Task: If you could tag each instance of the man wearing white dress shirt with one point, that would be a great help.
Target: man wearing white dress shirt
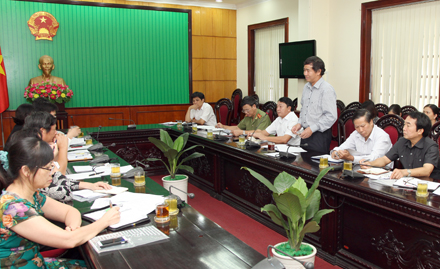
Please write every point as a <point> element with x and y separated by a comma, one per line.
<point>200,112</point>
<point>282,125</point>
<point>369,140</point>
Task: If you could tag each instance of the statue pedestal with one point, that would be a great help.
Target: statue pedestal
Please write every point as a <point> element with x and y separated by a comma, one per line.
<point>62,117</point>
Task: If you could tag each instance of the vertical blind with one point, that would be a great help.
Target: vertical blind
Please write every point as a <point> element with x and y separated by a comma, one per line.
<point>268,84</point>
<point>405,55</point>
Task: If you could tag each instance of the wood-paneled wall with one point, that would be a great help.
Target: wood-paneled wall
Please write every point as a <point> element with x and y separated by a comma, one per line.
<point>94,116</point>
<point>214,48</point>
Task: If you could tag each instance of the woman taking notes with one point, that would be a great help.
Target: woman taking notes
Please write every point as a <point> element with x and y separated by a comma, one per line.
<point>26,167</point>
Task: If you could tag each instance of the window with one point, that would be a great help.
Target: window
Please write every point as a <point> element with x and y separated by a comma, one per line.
<point>268,84</point>
<point>405,54</point>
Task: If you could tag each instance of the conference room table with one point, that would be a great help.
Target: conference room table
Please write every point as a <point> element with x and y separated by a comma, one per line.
<point>373,225</point>
<point>194,240</point>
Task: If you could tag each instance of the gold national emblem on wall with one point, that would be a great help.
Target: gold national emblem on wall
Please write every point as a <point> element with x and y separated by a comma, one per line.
<point>43,25</point>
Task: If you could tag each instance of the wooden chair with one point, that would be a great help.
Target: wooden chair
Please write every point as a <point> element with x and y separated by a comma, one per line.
<point>393,125</point>
<point>295,104</point>
<point>255,96</point>
<point>236,98</point>
<point>340,105</point>
<point>382,109</point>
<point>435,132</point>
<point>223,111</point>
<point>406,110</point>
<point>353,105</point>
<point>335,132</point>
<point>270,107</point>
<point>345,124</point>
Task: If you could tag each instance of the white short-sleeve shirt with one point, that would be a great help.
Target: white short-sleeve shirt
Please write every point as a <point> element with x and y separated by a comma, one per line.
<point>282,126</point>
<point>206,113</point>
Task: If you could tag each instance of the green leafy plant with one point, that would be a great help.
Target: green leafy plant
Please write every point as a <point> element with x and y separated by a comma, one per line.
<point>296,207</point>
<point>173,151</point>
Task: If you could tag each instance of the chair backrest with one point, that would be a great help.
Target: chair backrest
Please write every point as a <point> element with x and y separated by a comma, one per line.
<point>295,104</point>
<point>345,124</point>
<point>270,107</point>
<point>223,111</point>
<point>382,110</point>
<point>255,96</point>
<point>353,105</point>
<point>393,125</point>
<point>340,105</point>
<point>236,98</point>
<point>406,110</point>
<point>335,131</point>
<point>435,132</point>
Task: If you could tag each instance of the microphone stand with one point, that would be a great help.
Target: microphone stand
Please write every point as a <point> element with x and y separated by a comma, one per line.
<point>130,126</point>
<point>97,136</point>
<point>250,144</point>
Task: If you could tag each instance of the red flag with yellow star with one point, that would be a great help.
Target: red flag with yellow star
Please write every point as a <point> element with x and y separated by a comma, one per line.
<point>4,98</point>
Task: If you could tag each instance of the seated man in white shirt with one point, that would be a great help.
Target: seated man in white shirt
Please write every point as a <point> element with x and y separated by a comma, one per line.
<point>200,112</point>
<point>370,141</point>
<point>281,126</point>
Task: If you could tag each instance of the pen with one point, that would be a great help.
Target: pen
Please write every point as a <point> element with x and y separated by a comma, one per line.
<point>95,174</point>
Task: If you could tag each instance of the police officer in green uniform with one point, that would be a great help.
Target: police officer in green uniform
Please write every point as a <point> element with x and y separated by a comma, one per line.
<point>253,118</point>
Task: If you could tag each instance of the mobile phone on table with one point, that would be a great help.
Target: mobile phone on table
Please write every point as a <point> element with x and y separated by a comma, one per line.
<point>113,242</point>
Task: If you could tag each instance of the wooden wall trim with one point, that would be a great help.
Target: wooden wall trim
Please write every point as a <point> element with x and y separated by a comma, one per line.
<point>366,20</point>
<point>85,117</point>
<point>251,50</point>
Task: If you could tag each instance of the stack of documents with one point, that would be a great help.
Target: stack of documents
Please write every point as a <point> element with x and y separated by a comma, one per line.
<point>79,155</point>
<point>135,207</point>
<point>329,157</point>
<point>87,171</point>
<point>410,182</point>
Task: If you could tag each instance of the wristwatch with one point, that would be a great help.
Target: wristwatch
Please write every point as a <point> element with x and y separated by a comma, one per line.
<point>244,132</point>
<point>409,172</point>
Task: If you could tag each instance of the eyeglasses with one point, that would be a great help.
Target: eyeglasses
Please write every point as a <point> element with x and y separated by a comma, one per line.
<point>245,111</point>
<point>52,167</point>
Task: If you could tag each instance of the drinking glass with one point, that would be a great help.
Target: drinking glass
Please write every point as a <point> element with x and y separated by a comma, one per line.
<point>139,178</point>
<point>422,189</point>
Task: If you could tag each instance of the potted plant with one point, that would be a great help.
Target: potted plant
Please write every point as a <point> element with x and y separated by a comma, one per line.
<point>173,151</point>
<point>296,209</point>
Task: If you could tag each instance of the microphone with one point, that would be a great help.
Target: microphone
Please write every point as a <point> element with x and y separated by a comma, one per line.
<point>97,136</point>
<point>141,163</point>
<point>73,123</point>
<point>221,138</point>
<point>287,154</point>
<point>270,262</point>
<point>251,144</point>
<point>190,195</point>
<point>259,125</point>
<point>130,126</point>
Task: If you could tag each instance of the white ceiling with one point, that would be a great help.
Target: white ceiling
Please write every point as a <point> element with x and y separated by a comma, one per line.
<point>228,4</point>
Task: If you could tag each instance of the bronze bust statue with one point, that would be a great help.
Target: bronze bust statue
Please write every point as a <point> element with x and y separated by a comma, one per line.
<point>46,65</point>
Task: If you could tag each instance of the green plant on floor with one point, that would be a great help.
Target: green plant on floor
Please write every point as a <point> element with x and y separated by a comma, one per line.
<point>173,151</point>
<point>296,202</point>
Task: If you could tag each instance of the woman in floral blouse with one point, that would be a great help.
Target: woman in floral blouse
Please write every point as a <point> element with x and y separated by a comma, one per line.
<point>25,168</point>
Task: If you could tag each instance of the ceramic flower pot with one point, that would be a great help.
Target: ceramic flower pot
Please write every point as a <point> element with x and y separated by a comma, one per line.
<point>292,264</point>
<point>181,183</point>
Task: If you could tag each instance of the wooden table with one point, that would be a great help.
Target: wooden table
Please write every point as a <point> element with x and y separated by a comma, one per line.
<point>196,242</point>
<point>373,226</point>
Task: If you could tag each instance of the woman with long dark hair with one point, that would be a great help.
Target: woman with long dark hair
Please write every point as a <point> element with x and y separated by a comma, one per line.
<point>25,168</point>
<point>432,112</point>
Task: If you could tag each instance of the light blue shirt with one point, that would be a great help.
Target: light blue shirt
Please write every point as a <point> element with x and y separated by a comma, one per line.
<point>318,106</point>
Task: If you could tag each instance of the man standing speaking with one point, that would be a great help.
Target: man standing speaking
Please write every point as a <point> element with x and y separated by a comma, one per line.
<point>318,108</point>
